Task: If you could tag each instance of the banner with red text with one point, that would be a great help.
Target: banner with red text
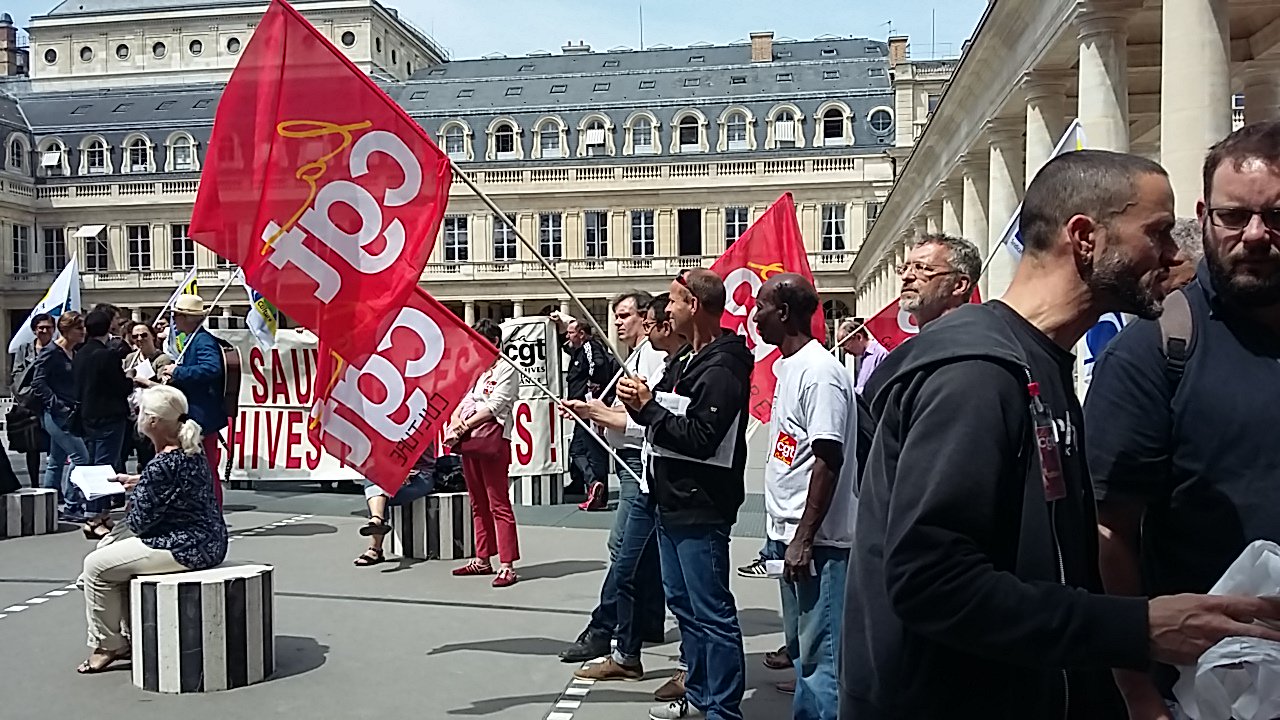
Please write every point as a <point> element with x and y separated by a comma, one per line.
<point>538,440</point>
<point>322,189</point>
<point>772,245</point>
<point>380,414</point>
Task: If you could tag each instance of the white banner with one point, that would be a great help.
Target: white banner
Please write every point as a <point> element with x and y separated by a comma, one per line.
<point>538,444</point>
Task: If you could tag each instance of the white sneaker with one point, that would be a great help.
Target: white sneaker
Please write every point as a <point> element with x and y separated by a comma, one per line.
<point>675,710</point>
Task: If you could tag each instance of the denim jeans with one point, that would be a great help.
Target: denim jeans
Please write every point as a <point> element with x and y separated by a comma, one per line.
<point>105,443</point>
<point>812,611</point>
<point>636,577</point>
<point>695,574</point>
<point>63,446</point>
<point>629,490</point>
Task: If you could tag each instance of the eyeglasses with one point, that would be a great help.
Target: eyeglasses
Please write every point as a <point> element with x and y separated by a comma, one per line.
<point>923,271</point>
<point>1238,218</point>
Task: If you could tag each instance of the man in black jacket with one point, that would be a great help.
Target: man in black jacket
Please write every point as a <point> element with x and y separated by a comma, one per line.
<point>974,588</point>
<point>103,390</point>
<point>591,369</point>
<point>696,421</point>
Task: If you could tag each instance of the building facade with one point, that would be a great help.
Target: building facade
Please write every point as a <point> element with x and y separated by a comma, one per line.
<point>623,166</point>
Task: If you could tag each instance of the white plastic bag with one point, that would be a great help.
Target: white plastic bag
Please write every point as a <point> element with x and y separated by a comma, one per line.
<point>1239,677</point>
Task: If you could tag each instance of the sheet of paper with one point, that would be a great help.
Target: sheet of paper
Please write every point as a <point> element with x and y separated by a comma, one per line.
<point>96,481</point>
<point>143,370</point>
<point>679,405</point>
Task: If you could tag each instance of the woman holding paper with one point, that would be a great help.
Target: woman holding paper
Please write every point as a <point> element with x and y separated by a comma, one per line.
<point>173,520</point>
<point>142,365</point>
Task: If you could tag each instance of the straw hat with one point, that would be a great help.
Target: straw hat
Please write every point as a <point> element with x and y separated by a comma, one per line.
<point>188,305</point>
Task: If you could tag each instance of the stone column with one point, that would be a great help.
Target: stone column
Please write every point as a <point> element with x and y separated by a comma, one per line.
<point>1046,99</point>
<point>517,308</point>
<point>933,215</point>
<point>1104,75</point>
<point>1261,91</point>
<point>952,200</point>
<point>1003,195</point>
<point>1195,96</point>
<point>469,312</point>
<point>973,167</point>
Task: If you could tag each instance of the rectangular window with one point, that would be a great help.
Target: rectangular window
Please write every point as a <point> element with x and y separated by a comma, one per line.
<point>828,52</point>
<point>55,249</point>
<point>96,158</point>
<point>457,244</point>
<point>97,258</point>
<point>738,80</point>
<point>688,134</point>
<point>689,227</point>
<point>465,93</point>
<point>830,74</point>
<point>642,136</point>
<point>697,58</point>
<point>182,248</point>
<point>642,237</point>
<point>692,82</point>
<point>647,84</point>
<point>735,223</point>
<point>21,249</point>
<point>875,72</point>
<point>223,263</point>
<point>182,159</point>
<point>873,212</point>
<point>551,236</point>
<point>138,160</point>
<point>784,77</point>
<point>610,63</point>
<point>833,228</point>
<point>526,68</point>
<point>504,240</point>
<point>933,99</point>
<point>596,233</point>
<point>139,246</point>
<point>513,91</point>
<point>558,89</point>
<point>600,87</point>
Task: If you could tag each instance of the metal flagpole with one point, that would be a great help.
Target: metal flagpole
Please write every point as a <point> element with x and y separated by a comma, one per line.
<point>207,311</point>
<point>572,416</point>
<point>545,264</point>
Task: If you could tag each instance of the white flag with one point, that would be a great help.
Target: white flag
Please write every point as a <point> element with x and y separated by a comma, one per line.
<point>262,319</point>
<point>63,295</point>
<point>1072,140</point>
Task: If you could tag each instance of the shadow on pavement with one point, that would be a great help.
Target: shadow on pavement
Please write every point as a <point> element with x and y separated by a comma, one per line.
<point>538,646</point>
<point>493,706</point>
<point>559,569</point>
<point>297,655</point>
<point>298,530</point>
<point>227,509</point>
<point>759,621</point>
<point>402,564</point>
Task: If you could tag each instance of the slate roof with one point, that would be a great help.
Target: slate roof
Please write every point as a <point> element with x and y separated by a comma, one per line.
<point>95,7</point>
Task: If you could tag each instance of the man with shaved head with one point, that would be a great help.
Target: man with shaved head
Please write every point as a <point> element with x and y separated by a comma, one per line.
<point>809,482</point>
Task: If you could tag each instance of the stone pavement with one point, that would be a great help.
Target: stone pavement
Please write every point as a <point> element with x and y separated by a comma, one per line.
<point>397,640</point>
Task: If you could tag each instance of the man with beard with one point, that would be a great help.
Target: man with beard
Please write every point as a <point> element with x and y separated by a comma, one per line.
<point>1184,464</point>
<point>938,276</point>
<point>974,588</point>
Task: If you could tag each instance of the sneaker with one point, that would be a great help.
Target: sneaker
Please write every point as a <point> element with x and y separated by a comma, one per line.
<point>754,570</point>
<point>589,646</point>
<point>597,498</point>
<point>475,567</point>
<point>786,687</point>
<point>672,689</point>
<point>675,710</point>
<point>506,578</point>
<point>778,659</point>
<point>610,669</point>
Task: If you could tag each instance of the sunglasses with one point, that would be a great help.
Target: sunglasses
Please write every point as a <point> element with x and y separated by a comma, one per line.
<point>140,336</point>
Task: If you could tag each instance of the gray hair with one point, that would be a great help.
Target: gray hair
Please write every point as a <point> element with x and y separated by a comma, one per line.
<point>1190,238</point>
<point>961,254</point>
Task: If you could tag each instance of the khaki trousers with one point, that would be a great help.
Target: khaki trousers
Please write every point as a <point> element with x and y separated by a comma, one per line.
<point>107,572</point>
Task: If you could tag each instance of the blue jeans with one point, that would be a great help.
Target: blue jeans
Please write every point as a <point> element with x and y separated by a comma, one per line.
<point>629,490</point>
<point>63,446</point>
<point>695,574</point>
<point>812,611</point>
<point>105,443</point>
<point>637,582</point>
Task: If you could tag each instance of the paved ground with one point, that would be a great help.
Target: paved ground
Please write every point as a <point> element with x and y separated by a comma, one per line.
<point>399,640</point>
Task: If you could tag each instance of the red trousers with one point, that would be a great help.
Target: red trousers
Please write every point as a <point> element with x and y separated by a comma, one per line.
<point>491,505</point>
<point>211,457</point>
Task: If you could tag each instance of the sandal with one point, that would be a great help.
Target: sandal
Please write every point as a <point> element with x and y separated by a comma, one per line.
<point>105,658</point>
<point>475,567</point>
<point>375,527</point>
<point>95,531</point>
<point>372,556</point>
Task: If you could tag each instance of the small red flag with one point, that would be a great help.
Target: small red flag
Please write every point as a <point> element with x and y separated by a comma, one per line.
<point>380,415</point>
<point>322,189</point>
<point>893,326</point>
<point>772,245</point>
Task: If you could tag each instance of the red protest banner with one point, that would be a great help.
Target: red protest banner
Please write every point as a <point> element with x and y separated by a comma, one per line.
<point>378,416</point>
<point>893,326</point>
<point>319,186</point>
<point>772,245</point>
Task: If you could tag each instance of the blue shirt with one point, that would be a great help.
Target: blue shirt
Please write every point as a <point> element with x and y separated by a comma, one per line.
<point>868,361</point>
<point>200,376</point>
<point>173,508</point>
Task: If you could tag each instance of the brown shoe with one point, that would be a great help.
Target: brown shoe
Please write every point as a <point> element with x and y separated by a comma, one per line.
<point>610,670</point>
<point>778,659</point>
<point>672,689</point>
<point>786,687</point>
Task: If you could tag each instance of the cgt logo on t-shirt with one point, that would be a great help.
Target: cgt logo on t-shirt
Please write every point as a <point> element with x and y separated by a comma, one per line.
<point>784,448</point>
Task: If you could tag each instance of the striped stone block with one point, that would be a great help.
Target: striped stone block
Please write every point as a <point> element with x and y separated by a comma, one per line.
<point>538,489</point>
<point>433,527</point>
<point>29,511</point>
<point>203,630</point>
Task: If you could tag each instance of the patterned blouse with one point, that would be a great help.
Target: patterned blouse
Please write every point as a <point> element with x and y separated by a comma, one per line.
<point>173,508</point>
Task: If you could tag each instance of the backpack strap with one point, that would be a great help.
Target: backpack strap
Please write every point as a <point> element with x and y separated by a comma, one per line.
<point>1177,330</point>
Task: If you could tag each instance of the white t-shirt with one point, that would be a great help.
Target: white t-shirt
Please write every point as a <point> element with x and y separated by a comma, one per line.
<point>646,453</point>
<point>647,362</point>
<point>813,400</point>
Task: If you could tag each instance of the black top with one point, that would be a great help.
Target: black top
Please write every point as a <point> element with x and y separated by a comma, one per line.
<point>54,383</point>
<point>101,385</point>
<point>1205,458</point>
<point>598,371</point>
<point>717,381</point>
<point>173,508</point>
<point>968,591</point>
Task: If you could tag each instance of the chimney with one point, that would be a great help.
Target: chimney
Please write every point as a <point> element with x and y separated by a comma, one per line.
<point>898,50</point>
<point>12,60</point>
<point>582,48</point>
<point>762,46</point>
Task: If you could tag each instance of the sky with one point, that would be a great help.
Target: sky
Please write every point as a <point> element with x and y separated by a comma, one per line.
<point>471,28</point>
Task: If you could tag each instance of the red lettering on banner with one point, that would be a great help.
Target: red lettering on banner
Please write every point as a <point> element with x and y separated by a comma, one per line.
<point>302,387</point>
<point>259,390</point>
<point>273,438</point>
<point>313,455</point>
<point>524,447</point>
<point>555,428</point>
<point>293,438</point>
<point>279,384</point>
<point>257,440</point>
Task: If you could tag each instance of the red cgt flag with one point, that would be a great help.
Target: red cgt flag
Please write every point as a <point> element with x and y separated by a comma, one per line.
<point>772,245</point>
<point>893,326</point>
<point>319,186</point>
<point>380,415</point>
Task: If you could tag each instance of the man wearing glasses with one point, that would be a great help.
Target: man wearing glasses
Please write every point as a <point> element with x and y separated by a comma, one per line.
<point>1182,451</point>
<point>938,276</point>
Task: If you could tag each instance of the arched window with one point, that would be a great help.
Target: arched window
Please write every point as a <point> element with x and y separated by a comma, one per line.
<point>785,124</point>
<point>595,139</point>
<point>182,153</point>
<point>53,159</point>
<point>17,158</point>
<point>504,141</point>
<point>833,124</point>
<point>95,158</point>
<point>688,130</point>
<point>455,142</point>
<point>642,135</point>
<point>735,131</point>
<point>550,139</point>
<point>138,155</point>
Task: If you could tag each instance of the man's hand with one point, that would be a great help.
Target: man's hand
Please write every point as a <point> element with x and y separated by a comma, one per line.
<point>577,407</point>
<point>796,561</point>
<point>166,374</point>
<point>634,393</point>
<point>1182,627</point>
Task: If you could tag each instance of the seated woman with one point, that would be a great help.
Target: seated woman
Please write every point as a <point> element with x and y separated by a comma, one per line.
<point>173,520</point>
<point>420,483</point>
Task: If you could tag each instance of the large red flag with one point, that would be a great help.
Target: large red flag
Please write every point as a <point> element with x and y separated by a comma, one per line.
<point>319,186</point>
<point>893,326</point>
<point>378,416</point>
<point>772,245</point>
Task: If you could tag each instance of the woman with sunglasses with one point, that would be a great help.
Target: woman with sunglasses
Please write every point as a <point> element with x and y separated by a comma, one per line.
<point>146,350</point>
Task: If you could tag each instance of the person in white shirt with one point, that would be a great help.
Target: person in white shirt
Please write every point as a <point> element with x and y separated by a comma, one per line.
<point>810,479</point>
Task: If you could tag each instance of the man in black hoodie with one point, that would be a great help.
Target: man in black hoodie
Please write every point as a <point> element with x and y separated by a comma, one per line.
<point>696,422</point>
<point>974,588</point>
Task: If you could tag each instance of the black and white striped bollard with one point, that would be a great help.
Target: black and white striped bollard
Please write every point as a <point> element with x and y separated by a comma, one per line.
<point>532,490</point>
<point>28,511</point>
<point>433,527</point>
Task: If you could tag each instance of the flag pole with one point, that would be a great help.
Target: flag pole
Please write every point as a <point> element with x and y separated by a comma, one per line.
<point>207,311</point>
<point>542,260</point>
<point>566,411</point>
